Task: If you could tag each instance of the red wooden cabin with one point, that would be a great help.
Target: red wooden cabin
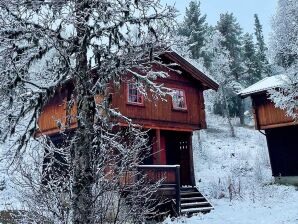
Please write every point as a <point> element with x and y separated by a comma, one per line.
<point>281,131</point>
<point>171,122</point>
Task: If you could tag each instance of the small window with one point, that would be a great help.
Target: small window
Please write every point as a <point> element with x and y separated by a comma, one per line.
<point>133,95</point>
<point>179,99</point>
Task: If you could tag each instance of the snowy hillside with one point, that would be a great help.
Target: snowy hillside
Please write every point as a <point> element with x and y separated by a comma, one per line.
<point>239,168</point>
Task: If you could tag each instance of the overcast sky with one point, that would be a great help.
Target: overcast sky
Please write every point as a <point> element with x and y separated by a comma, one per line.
<point>242,9</point>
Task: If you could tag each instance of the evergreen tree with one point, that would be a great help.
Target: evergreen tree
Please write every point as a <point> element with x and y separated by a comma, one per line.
<point>231,31</point>
<point>194,28</point>
<point>250,59</point>
<point>263,65</point>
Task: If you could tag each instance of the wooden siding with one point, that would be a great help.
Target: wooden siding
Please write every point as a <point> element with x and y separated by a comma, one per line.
<point>55,112</point>
<point>160,113</point>
<point>153,114</point>
<point>52,113</point>
<point>267,115</point>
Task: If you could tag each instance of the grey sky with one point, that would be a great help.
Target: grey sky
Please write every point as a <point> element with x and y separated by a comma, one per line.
<point>242,9</point>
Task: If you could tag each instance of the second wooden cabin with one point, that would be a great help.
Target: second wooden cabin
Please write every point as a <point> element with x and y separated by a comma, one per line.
<point>281,131</point>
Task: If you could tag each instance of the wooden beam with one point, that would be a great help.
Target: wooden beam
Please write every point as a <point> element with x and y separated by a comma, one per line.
<point>264,127</point>
<point>191,162</point>
<point>157,152</point>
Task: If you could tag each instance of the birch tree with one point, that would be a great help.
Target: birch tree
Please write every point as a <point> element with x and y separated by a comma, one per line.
<point>45,44</point>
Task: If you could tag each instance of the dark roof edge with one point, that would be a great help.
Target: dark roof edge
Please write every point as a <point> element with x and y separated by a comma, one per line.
<point>192,70</point>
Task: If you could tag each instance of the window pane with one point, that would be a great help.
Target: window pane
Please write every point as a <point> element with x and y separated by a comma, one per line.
<point>178,99</point>
<point>134,96</point>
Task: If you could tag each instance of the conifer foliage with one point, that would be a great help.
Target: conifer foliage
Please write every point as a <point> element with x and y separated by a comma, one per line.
<point>194,28</point>
<point>262,66</point>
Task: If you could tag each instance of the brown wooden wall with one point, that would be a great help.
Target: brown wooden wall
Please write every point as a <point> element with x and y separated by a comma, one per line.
<point>153,114</point>
<point>55,112</point>
<point>267,115</point>
<point>159,113</point>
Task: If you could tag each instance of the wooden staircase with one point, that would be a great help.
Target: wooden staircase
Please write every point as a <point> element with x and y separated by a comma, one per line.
<point>192,201</point>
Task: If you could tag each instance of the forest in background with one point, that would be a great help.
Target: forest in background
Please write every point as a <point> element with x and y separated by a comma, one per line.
<point>237,60</point>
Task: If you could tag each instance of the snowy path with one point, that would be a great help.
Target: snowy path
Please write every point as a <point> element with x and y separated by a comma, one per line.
<point>243,164</point>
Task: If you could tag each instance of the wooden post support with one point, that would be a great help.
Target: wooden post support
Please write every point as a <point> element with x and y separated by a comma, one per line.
<point>191,162</point>
<point>178,193</point>
<point>157,155</point>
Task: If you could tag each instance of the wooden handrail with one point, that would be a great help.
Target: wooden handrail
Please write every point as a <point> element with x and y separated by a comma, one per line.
<point>158,172</point>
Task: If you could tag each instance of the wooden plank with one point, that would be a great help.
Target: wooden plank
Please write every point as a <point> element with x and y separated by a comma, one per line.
<point>267,115</point>
<point>191,163</point>
<point>264,127</point>
<point>156,153</point>
<point>153,114</point>
<point>163,159</point>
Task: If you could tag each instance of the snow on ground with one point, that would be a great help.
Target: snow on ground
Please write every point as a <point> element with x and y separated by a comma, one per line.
<point>242,165</point>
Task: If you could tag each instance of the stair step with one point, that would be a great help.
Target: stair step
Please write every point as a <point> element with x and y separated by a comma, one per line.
<point>188,189</point>
<point>193,199</point>
<point>195,204</point>
<point>191,194</point>
<point>196,210</point>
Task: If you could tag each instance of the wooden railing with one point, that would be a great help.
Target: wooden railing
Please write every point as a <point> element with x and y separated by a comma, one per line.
<point>169,175</point>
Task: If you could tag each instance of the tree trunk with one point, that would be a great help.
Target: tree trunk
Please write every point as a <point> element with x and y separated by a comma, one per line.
<point>241,110</point>
<point>227,112</point>
<point>82,146</point>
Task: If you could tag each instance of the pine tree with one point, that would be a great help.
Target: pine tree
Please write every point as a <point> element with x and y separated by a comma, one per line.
<point>231,31</point>
<point>263,66</point>
<point>250,60</point>
<point>194,28</point>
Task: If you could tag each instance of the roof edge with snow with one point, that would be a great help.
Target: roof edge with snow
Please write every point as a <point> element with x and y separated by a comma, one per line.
<point>264,85</point>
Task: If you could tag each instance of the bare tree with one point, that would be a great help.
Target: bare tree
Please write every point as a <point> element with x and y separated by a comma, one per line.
<point>120,193</point>
<point>93,44</point>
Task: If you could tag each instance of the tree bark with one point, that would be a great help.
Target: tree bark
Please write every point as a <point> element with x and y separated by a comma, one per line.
<point>227,113</point>
<point>241,110</point>
<point>82,146</point>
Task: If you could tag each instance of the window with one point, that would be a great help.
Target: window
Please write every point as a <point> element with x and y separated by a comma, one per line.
<point>179,99</point>
<point>133,95</point>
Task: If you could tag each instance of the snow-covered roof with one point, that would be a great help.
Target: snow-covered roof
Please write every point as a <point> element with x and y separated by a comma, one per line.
<point>264,85</point>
